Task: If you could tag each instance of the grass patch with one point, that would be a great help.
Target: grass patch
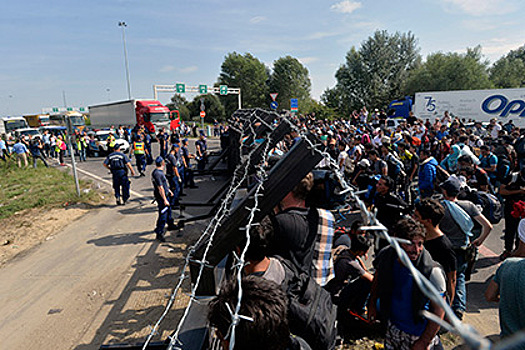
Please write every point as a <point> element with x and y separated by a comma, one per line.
<point>27,188</point>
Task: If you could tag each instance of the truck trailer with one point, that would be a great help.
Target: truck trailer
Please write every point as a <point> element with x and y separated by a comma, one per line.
<point>149,113</point>
<point>478,105</point>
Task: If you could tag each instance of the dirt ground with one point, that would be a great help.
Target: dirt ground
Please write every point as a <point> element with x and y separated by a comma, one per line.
<point>27,229</point>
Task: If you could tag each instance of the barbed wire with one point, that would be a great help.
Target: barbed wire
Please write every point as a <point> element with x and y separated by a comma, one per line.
<point>261,176</point>
<point>467,332</point>
<point>214,224</point>
<point>237,179</point>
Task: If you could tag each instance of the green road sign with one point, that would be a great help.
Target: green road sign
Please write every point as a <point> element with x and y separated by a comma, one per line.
<point>55,109</point>
<point>69,109</point>
<point>223,90</point>
<point>181,88</point>
<point>81,109</point>
<point>203,89</point>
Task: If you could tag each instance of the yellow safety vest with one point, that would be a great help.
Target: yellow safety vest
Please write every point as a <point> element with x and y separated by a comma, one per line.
<point>138,148</point>
<point>111,141</point>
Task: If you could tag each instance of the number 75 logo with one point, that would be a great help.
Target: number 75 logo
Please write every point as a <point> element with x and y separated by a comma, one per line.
<point>431,104</point>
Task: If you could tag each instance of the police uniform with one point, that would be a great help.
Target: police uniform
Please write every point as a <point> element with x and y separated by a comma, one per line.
<point>172,163</point>
<point>139,150</point>
<point>116,162</point>
<point>159,180</point>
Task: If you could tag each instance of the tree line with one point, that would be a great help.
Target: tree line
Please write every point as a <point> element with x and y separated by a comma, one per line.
<point>385,67</point>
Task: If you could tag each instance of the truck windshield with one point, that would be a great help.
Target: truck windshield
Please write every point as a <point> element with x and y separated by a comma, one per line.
<point>77,120</point>
<point>44,120</point>
<point>159,117</point>
<point>11,125</point>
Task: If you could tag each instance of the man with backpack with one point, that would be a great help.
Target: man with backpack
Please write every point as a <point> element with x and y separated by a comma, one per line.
<point>311,313</point>
<point>400,300</point>
<point>304,235</point>
<point>489,163</point>
<point>457,224</point>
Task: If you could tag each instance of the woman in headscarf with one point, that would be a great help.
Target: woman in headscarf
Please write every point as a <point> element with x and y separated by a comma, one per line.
<point>450,163</point>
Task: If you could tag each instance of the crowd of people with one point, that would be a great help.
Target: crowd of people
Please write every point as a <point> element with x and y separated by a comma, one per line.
<point>439,186</point>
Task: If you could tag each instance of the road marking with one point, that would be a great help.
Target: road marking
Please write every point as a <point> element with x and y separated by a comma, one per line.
<point>136,194</point>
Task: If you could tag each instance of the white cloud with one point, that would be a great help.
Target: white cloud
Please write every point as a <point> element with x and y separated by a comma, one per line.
<point>321,35</point>
<point>346,6</point>
<point>257,19</point>
<point>483,7</point>
<point>167,69</point>
<point>189,69</point>
<point>497,47</point>
<point>307,60</point>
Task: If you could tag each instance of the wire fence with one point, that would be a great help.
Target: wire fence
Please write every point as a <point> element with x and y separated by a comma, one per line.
<point>471,337</point>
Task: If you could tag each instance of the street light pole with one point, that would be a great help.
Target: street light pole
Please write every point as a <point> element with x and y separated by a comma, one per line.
<point>123,25</point>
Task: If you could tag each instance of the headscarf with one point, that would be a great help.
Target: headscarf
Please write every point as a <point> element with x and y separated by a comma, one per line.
<point>452,159</point>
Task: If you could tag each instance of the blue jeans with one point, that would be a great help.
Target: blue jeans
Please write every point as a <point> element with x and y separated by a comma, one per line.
<point>175,189</point>
<point>141,162</point>
<point>121,182</point>
<point>164,217</point>
<point>460,299</point>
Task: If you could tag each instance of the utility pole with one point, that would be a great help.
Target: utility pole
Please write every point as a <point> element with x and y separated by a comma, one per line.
<point>123,25</point>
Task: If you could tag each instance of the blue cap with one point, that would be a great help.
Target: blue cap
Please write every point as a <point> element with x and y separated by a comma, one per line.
<point>185,140</point>
<point>202,132</point>
<point>159,160</point>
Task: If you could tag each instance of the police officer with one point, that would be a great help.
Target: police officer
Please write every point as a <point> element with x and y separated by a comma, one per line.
<point>188,172</point>
<point>181,165</point>
<point>119,164</point>
<point>162,195</point>
<point>139,150</point>
<point>201,151</point>
<point>173,175</point>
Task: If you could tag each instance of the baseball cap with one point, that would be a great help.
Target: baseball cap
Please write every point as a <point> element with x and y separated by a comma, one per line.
<point>452,185</point>
<point>159,160</point>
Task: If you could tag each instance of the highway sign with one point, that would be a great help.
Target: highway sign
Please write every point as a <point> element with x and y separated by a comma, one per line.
<point>273,95</point>
<point>203,114</point>
<point>274,105</point>
<point>223,90</point>
<point>181,88</point>
<point>294,104</point>
<point>203,89</point>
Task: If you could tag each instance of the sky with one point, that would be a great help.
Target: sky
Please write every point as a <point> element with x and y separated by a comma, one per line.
<point>68,52</point>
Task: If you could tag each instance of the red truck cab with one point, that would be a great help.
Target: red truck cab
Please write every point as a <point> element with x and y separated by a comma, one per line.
<point>151,114</point>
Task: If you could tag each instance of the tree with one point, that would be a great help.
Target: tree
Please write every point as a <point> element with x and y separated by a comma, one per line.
<point>179,102</point>
<point>290,79</point>
<point>509,70</point>
<point>373,75</point>
<point>249,74</point>
<point>450,71</point>
<point>213,107</point>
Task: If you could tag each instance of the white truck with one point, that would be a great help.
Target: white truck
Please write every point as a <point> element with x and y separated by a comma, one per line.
<point>10,124</point>
<point>479,105</point>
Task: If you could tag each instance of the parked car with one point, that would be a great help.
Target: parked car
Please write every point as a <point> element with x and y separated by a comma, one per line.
<point>98,144</point>
<point>27,132</point>
<point>55,130</point>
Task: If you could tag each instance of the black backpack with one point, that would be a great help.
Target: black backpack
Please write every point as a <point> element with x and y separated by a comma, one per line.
<point>491,207</point>
<point>311,313</point>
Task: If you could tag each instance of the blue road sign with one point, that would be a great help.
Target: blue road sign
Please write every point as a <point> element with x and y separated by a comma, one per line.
<point>274,105</point>
<point>294,104</point>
